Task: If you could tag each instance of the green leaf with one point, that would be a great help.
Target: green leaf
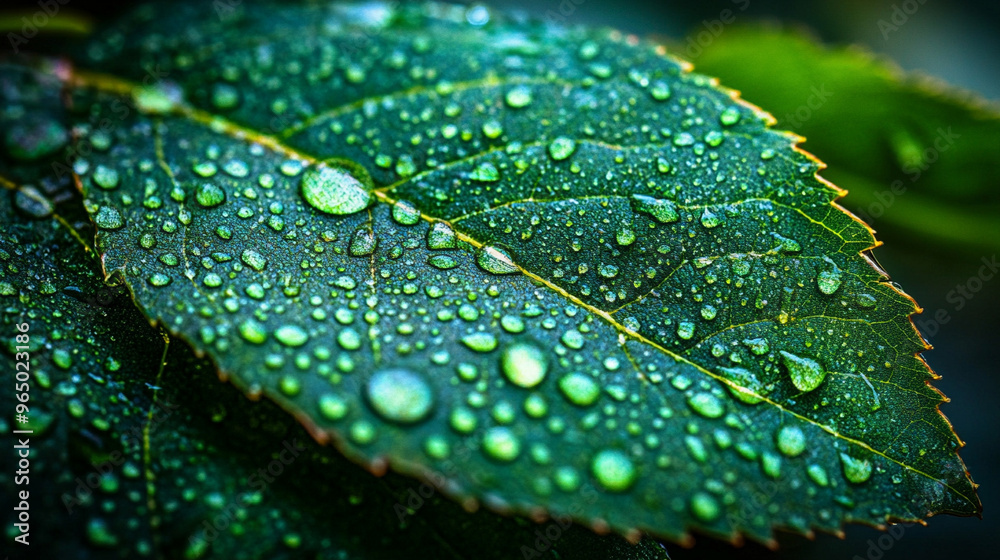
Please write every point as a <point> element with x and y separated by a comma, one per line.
<point>917,157</point>
<point>551,264</point>
<point>138,451</point>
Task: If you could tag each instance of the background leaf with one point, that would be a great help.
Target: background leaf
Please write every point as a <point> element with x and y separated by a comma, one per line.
<point>913,153</point>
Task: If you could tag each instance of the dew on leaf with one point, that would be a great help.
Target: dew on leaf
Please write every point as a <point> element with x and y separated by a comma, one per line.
<point>333,189</point>
<point>525,365</point>
<point>807,374</point>
<point>613,470</point>
<point>399,395</point>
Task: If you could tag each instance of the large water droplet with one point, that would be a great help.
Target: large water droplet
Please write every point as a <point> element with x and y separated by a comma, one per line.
<point>363,242</point>
<point>441,236</point>
<point>806,374</point>
<point>663,210</point>
<point>829,277</point>
<point>706,404</point>
<point>480,342</point>
<point>613,470</point>
<point>210,195</point>
<point>705,507</point>
<point>109,218</point>
<point>291,335</point>
<point>855,470</point>
<point>400,395</point>
<point>519,97</point>
<point>791,441</point>
<point>749,389</point>
<point>561,148</point>
<point>334,189</point>
<point>495,260</point>
<point>525,365</point>
<point>501,444</point>
<point>580,389</point>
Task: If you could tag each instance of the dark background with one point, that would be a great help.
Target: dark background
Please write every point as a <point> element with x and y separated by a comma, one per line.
<point>958,41</point>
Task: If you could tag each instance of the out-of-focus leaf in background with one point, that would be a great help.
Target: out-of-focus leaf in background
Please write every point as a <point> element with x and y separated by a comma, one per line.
<point>917,157</point>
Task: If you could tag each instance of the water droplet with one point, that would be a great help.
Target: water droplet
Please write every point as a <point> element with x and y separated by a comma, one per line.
<point>210,195</point>
<point>710,219</point>
<point>399,395</point>
<point>749,389</point>
<point>806,374</point>
<point>729,116</point>
<point>485,172</point>
<point>685,330</point>
<point>443,262</point>
<point>519,97</point>
<point>662,210</point>
<point>225,96</point>
<point>405,213</point>
<point>105,177</point>
<point>253,332</point>
<point>501,444</point>
<point>495,260</point>
<point>791,441</point>
<point>580,389</point>
<point>613,470</point>
<point>441,236</point>
<point>829,278</point>
<point>625,236</point>
<point>572,339</point>
<point>705,507</point>
<point>818,475</point>
<point>561,148</point>
<point>706,404</point>
<point>332,407</point>
<point>660,91</point>
<point>253,259</point>
<point>525,365</point>
<point>758,346</point>
<point>855,470</point>
<point>335,190</point>
<point>480,342</point>
<point>363,242</point>
<point>109,218</point>
<point>291,335</point>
